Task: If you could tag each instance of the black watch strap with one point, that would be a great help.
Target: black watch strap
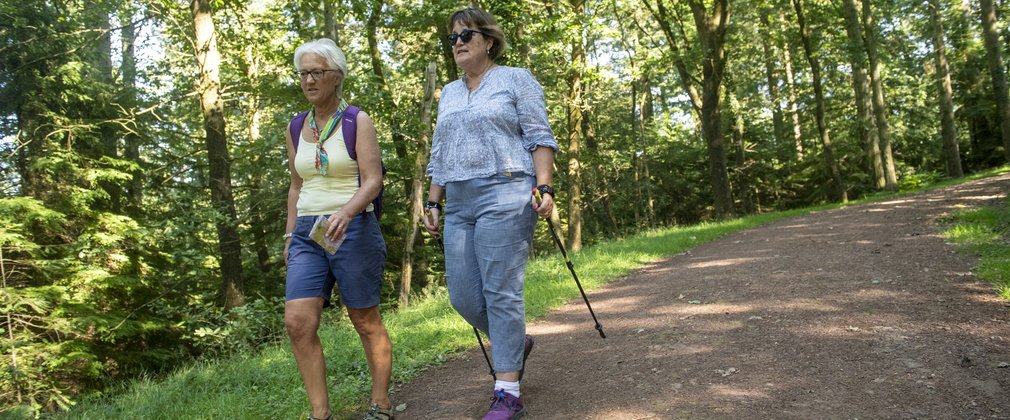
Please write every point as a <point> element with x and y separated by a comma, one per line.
<point>432,205</point>
<point>545,189</point>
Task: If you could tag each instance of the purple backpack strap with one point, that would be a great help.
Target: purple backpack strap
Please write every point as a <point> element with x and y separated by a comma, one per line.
<point>296,128</point>
<point>350,130</point>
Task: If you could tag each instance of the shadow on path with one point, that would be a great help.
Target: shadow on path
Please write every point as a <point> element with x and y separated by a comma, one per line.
<point>860,312</point>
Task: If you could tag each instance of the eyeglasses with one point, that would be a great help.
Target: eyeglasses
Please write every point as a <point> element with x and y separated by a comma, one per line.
<point>316,74</point>
<point>466,36</point>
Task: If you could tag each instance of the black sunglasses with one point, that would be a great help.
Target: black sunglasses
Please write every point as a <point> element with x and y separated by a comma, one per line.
<point>466,36</point>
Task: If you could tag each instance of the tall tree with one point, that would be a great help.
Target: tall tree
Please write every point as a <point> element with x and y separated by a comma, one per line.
<point>711,25</point>
<point>416,190</point>
<point>857,56</point>
<point>330,23</point>
<point>948,128</point>
<point>771,73</point>
<point>575,117</point>
<point>997,71</point>
<point>209,62</point>
<point>836,188</point>
<point>794,108</point>
<point>666,20</point>
<point>879,104</point>
<point>128,70</point>
<point>390,105</point>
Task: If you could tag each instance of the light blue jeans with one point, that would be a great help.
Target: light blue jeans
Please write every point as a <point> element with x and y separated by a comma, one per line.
<point>488,232</point>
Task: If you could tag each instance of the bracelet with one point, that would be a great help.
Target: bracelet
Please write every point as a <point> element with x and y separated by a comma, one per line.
<point>545,189</point>
<point>432,205</point>
<point>288,235</point>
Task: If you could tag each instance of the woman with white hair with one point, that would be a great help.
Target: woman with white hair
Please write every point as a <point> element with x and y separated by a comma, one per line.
<point>338,180</point>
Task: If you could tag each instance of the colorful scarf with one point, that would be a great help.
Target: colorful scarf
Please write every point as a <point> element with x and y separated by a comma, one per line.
<point>322,160</point>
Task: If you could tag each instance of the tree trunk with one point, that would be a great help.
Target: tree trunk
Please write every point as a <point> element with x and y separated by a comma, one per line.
<point>209,61</point>
<point>645,130</point>
<point>948,129</point>
<point>399,144</point>
<point>134,189</point>
<point>451,73</point>
<point>99,55</point>
<point>257,210</point>
<point>739,144</point>
<point>794,107</point>
<point>771,73</point>
<point>330,24</point>
<point>857,55</point>
<point>712,34</point>
<point>997,71</point>
<point>836,189</point>
<point>420,163</point>
<point>879,105</point>
<point>575,86</point>
<point>686,80</point>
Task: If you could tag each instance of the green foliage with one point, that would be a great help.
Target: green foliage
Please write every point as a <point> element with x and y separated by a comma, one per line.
<point>107,231</point>
<point>985,232</point>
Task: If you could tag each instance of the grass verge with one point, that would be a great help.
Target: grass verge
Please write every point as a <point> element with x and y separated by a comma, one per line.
<point>985,232</point>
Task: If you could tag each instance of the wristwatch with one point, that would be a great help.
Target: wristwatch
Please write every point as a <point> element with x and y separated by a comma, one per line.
<point>545,189</point>
<point>428,205</point>
<point>288,235</point>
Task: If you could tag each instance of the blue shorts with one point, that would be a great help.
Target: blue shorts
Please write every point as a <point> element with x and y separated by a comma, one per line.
<point>356,266</point>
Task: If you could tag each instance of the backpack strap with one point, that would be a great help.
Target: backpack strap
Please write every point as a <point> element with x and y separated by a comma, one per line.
<point>350,131</point>
<point>296,128</point>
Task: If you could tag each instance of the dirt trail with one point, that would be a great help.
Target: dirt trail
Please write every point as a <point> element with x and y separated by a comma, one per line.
<point>861,312</point>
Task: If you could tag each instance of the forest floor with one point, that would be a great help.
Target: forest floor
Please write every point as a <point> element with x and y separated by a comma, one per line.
<point>858,312</point>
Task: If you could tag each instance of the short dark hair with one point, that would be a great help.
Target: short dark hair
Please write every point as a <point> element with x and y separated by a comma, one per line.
<point>486,23</point>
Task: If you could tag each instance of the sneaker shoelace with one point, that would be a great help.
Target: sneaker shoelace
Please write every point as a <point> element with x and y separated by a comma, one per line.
<point>499,401</point>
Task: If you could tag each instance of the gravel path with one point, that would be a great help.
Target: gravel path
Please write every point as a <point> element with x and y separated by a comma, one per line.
<point>860,312</point>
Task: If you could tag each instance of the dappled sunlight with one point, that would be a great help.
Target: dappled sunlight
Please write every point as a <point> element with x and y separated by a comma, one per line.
<point>814,305</point>
<point>664,351</point>
<point>712,309</point>
<point>723,263</point>
<point>895,202</point>
<point>560,329</point>
<point>625,413</point>
<point>719,326</point>
<point>896,295</point>
<point>736,392</point>
<point>981,197</point>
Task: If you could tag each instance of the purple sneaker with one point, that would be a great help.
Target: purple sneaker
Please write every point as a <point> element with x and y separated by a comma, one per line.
<point>505,406</point>
<point>527,349</point>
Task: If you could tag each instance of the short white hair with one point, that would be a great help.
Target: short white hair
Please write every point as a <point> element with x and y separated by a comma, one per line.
<point>326,48</point>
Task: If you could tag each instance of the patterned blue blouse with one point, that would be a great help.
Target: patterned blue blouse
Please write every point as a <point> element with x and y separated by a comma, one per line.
<point>492,130</point>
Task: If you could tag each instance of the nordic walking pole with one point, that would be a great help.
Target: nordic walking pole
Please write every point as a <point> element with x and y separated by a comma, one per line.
<point>571,267</point>
<point>476,332</point>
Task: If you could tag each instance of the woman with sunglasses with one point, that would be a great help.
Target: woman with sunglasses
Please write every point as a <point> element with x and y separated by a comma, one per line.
<point>325,182</point>
<point>491,147</point>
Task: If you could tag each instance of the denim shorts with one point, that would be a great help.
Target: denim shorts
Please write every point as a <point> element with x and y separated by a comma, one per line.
<point>356,267</point>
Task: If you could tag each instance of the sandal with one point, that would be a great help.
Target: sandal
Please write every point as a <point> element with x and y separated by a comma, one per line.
<point>376,413</point>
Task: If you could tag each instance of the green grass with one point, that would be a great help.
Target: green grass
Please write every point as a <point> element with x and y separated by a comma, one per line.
<point>985,232</point>
<point>427,333</point>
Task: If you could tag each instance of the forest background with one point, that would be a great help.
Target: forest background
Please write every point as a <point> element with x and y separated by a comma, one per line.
<point>143,173</point>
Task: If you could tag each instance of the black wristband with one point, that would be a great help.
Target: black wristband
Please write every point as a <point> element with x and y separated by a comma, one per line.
<point>432,205</point>
<point>545,189</point>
